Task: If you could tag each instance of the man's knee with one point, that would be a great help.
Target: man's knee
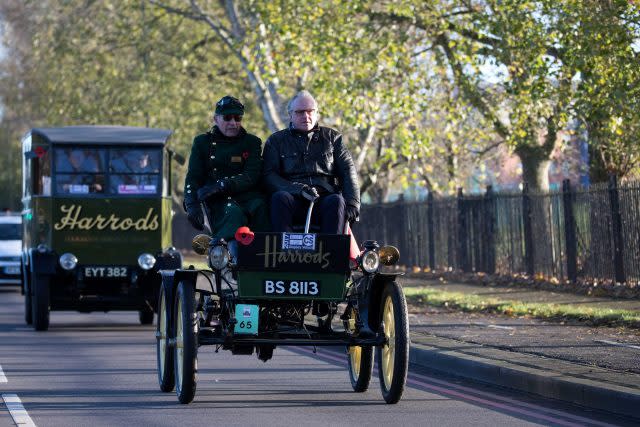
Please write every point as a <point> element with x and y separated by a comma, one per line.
<point>335,201</point>
<point>281,198</point>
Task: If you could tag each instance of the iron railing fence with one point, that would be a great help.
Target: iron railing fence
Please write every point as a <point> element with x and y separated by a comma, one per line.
<point>574,234</point>
<point>586,234</point>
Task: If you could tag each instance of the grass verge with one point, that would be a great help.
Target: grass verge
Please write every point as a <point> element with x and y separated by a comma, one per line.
<point>198,261</point>
<point>547,311</point>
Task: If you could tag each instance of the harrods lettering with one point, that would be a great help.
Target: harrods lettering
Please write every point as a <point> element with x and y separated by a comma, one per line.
<point>72,220</point>
<point>273,257</point>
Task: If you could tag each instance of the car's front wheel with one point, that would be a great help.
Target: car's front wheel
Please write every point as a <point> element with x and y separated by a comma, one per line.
<point>393,356</point>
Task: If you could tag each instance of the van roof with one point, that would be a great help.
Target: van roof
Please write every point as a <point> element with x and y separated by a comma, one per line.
<point>103,135</point>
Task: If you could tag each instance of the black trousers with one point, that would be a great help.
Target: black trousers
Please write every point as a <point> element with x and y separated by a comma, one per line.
<point>288,210</point>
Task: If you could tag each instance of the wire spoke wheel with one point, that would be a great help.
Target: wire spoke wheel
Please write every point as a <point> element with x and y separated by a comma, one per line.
<point>164,352</point>
<point>186,349</point>
<point>393,356</point>
<point>360,362</point>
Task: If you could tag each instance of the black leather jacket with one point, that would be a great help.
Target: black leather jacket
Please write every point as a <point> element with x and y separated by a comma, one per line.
<point>292,159</point>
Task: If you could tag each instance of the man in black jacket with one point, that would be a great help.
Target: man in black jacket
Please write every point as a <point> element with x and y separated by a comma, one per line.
<point>308,162</point>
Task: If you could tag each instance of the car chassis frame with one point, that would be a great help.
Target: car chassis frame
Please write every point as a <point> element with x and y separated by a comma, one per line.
<point>206,306</point>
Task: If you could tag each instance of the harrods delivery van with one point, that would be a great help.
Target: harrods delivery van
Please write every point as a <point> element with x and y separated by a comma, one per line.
<point>96,219</point>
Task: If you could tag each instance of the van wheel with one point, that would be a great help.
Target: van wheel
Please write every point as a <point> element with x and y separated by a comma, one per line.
<point>146,316</point>
<point>27,307</point>
<point>26,290</point>
<point>40,302</point>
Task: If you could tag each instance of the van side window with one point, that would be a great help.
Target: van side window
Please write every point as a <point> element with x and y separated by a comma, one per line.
<point>44,173</point>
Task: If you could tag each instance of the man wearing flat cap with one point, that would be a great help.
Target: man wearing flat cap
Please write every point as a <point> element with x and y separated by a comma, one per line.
<point>224,171</point>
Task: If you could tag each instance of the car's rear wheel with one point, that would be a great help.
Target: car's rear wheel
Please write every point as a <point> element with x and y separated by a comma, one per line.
<point>186,348</point>
<point>359,361</point>
<point>164,352</point>
<point>40,302</point>
<point>393,357</point>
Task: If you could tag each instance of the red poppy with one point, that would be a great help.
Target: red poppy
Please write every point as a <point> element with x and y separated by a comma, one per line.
<point>245,155</point>
<point>39,151</point>
<point>244,235</point>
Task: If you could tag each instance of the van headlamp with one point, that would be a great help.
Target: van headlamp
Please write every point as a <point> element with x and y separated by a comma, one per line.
<point>68,261</point>
<point>370,261</point>
<point>146,261</point>
<point>218,257</point>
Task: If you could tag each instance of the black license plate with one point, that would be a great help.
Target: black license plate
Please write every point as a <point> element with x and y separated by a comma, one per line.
<point>101,272</point>
<point>310,288</point>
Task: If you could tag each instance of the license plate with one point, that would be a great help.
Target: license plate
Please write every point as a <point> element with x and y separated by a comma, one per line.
<point>105,272</point>
<point>246,319</point>
<point>12,270</point>
<point>309,288</point>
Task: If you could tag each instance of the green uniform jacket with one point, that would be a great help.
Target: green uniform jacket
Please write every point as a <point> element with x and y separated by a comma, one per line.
<point>237,160</point>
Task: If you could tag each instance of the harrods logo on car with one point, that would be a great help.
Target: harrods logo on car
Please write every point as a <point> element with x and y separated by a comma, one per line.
<point>273,257</point>
<point>73,220</point>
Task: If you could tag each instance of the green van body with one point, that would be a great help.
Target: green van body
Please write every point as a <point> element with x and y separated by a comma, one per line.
<point>105,223</point>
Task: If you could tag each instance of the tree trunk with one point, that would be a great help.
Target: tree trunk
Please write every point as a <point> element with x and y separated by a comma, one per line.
<point>597,169</point>
<point>535,166</point>
<point>535,172</point>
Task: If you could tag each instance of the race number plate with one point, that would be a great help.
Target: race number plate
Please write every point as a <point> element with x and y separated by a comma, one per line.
<point>247,319</point>
<point>105,272</point>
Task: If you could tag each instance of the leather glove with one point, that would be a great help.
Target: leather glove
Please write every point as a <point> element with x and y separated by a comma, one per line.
<point>195,215</point>
<point>218,188</point>
<point>309,193</point>
<point>351,213</point>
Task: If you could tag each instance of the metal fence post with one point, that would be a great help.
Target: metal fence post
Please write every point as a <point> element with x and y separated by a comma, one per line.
<point>400,225</point>
<point>528,230</point>
<point>569,230</point>
<point>431,243</point>
<point>490,247</point>
<point>462,233</point>
<point>616,225</point>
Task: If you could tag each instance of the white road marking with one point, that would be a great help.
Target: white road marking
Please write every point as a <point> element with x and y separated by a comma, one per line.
<point>3,378</point>
<point>493,326</point>
<point>500,327</point>
<point>618,344</point>
<point>17,411</point>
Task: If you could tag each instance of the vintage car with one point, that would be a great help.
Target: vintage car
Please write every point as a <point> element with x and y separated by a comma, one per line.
<point>301,289</point>
<point>10,249</point>
<point>97,219</point>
